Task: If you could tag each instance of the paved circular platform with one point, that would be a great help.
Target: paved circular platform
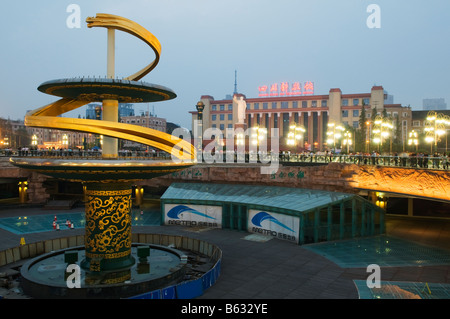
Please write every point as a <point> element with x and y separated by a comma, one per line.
<point>97,90</point>
<point>100,170</point>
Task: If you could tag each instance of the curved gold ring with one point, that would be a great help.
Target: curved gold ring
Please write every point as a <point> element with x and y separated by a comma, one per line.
<point>119,23</point>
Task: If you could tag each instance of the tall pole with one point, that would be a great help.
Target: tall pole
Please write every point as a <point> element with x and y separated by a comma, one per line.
<point>111,62</point>
<point>110,107</point>
<point>200,107</point>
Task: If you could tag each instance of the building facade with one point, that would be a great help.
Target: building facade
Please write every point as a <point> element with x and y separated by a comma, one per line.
<point>312,112</point>
<point>94,110</point>
<point>144,120</point>
<point>434,104</point>
<point>43,138</point>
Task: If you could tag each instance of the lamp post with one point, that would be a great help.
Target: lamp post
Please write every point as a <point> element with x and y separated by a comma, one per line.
<point>65,141</point>
<point>413,139</point>
<point>381,131</point>
<point>200,107</point>
<point>447,124</point>
<point>258,134</point>
<point>436,127</point>
<point>446,120</point>
<point>347,140</point>
<point>334,134</point>
<point>367,137</point>
<point>240,139</point>
<point>295,135</point>
<point>34,140</point>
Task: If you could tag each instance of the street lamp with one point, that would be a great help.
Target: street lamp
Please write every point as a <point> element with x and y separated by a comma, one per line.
<point>367,136</point>
<point>295,135</point>
<point>348,140</point>
<point>240,139</point>
<point>413,139</point>
<point>446,120</point>
<point>200,107</point>
<point>334,134</point>
<point>258,134</point>
<point>381,131</point>
<point>435,127</point>
<point>65,140</point>
<point>34,140</point>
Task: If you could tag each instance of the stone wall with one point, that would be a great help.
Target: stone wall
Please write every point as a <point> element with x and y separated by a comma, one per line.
<point>348,178</point>
<point>434,184</point>
<point>332,177</point>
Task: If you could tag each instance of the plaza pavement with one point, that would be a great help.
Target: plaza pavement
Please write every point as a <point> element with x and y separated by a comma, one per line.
<point>276,269</point>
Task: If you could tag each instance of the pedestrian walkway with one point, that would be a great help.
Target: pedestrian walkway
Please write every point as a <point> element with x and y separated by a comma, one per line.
<point>264,268</point>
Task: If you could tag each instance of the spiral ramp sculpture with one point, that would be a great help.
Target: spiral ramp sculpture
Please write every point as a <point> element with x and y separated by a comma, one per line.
<point>77,92</point>
<point>108,183</point>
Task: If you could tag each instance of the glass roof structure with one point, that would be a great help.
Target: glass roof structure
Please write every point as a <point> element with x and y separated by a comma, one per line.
<point>281,199</point>
<point>295,214</point>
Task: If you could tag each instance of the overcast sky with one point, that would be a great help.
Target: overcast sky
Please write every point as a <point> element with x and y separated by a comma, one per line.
<point>205,41</point>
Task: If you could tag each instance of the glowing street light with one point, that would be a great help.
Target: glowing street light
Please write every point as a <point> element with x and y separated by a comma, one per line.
<point>435,127</point>
<point>413,139</point>
<point>381,130</point>
<point>295,134</point>
<point>65,141</point>
<point>258,134</point>
<point>34,140</point>
<point>347,140</point>
<point>334,134</point>
<point>240,139</point>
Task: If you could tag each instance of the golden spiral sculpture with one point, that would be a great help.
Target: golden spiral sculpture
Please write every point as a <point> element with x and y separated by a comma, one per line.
<point>78,92</point>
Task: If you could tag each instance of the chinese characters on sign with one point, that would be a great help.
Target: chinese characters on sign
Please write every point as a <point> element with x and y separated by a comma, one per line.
<point>286,89</point>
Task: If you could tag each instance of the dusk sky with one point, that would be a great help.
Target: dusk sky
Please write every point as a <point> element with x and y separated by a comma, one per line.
<point>203,42</point>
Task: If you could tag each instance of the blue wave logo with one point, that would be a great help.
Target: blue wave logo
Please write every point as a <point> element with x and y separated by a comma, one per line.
<point>262,216</point>
<point>176,212</point>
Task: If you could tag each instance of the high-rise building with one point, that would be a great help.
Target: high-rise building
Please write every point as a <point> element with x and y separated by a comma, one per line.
<point>434,104</point>
<point>125,109</point>
<point>145,120</point>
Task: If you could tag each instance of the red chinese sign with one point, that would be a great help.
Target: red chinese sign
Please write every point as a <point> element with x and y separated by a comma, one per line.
<point>286,89</point>
<point>308,88</point>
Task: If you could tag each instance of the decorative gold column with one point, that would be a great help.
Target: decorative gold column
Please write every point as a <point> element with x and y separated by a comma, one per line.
<point>108,227</point>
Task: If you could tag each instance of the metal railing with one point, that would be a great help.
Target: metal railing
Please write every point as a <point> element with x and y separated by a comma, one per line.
<point>86,155</point>
<point>403,160</point>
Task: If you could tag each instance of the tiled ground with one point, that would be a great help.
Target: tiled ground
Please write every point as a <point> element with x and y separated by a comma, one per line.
<point>413,255</point>
<point>403,290</point>
<point>385,251</point>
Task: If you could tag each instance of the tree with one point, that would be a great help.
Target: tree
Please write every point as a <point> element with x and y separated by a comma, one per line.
<point>398,141</point>
<point>360,137</point>
<point>373,116</point>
